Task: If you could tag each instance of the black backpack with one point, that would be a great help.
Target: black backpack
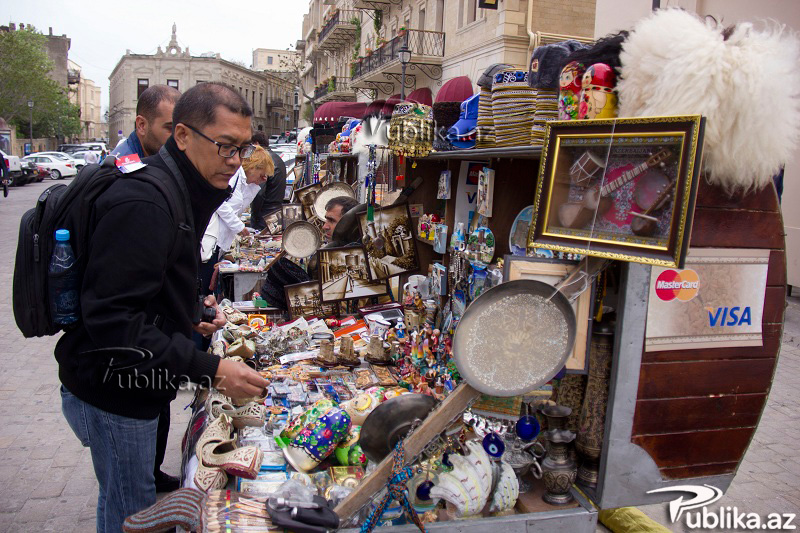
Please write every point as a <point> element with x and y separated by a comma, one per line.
<point>70,207</point>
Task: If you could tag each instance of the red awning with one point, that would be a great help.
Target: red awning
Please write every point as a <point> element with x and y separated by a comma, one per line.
<point>455,90</point>
<point>388,107</point>
<point>331,112</point>
<point>421,96</point>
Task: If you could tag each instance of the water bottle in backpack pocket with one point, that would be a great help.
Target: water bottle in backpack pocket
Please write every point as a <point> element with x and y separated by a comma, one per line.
<point>63,282</point>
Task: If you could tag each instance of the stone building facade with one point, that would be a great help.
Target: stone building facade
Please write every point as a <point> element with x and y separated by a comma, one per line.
<point>268,93</point>
<point>273,60</point>
<point>350,47</point>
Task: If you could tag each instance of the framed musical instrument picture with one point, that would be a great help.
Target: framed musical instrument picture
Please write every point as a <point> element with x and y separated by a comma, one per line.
<point>621,189</point>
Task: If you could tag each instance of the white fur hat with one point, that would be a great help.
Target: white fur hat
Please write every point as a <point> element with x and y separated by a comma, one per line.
<point>746,86</point>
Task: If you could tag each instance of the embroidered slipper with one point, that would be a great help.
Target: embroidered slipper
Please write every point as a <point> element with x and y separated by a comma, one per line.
<point>241,462</point>
<point>182,508</point>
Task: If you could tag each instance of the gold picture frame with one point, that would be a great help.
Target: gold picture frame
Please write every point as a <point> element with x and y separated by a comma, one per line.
<point>552,271</point>
<point>622,189</point>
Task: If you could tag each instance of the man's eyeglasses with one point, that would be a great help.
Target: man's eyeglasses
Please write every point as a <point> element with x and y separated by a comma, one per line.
<point>226,150</point>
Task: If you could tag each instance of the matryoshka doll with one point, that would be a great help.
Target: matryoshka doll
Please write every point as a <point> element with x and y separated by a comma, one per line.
<point>570,90</point>
<point>598,99</point>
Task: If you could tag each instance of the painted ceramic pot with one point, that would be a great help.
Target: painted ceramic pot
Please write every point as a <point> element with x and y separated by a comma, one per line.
<point>362,405</point>
<point>298,423</point>
<point>318,440</point>
<point>394,392</point>
<point>570,91</point>
<point>349,452</point>
<point>597,98</point>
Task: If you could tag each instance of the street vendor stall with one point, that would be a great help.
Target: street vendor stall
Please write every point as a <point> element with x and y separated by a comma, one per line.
<point>623,345</point>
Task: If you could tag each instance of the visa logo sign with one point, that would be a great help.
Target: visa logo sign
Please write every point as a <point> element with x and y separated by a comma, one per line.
<point>729,316</point>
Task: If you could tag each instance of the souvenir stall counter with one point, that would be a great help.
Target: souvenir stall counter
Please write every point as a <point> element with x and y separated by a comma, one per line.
<point>532,334</point>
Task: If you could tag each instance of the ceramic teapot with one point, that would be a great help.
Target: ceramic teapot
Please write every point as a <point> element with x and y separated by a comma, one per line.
<point>317,440</point>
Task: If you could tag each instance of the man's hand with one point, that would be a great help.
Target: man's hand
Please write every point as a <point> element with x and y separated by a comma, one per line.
<point>238,380</point>
<point>245,232</point>
<point>206,329</point>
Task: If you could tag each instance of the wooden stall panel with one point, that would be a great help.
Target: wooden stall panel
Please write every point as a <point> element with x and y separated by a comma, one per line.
<point>696,447</point>
<point>776,275</point>
<point>684,472</point>
<point>704,378</point>
<point>714,196</point>
<point>771,337</point>
<point>684,414</point>
<point>721,228</point>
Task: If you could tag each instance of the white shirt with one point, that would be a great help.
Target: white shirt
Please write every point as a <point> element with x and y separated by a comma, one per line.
<point>229,212</point>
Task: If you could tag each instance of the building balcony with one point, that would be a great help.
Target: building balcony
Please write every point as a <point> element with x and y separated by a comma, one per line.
<point>382,69</point>
<point>275,102</point>
<point>337,91</point>
<point>339,30</point>
<point>312,49</point>
<point>73,77</point>
<point>374,4</point>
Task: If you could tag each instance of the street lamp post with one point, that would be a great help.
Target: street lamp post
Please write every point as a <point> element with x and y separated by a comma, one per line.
<point>405,58</point>
<point>30,106</point>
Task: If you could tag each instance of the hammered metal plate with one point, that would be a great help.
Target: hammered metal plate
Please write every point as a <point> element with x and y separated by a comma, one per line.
<point>301,239</point>
<point>391,421</point>
<point>328,193</point>
<point>514,338</point>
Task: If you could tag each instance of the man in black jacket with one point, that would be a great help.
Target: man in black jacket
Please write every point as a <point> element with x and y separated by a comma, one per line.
<point>270,198</point>
<point>132,349</point>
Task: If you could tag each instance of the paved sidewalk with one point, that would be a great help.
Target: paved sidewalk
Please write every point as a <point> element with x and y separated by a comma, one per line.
<point>46,477</point>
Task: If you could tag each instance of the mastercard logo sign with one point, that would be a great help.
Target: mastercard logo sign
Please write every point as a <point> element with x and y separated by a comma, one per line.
<point>677,284</point>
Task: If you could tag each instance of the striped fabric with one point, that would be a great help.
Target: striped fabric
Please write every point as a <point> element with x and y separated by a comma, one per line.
<point>546,110</point>
<point>486,138</point>
<point>513,108</point>
<point>182,508</point>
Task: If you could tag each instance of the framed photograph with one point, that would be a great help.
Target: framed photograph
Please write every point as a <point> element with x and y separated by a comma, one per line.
<point>273,223</point>
<point>621,189</point>
<point>552,271</point>
<point>344,275</point>
<point>389,241</point>
<point>306,196</point>
<point>291,213</point>
<point>304,300</point>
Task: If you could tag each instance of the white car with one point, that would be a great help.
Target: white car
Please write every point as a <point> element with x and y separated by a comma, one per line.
<point>68,158</point>
<point>58,168</point>
<point>96,147</point>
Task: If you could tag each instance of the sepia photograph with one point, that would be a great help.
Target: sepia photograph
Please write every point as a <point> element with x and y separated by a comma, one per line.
<point>291,213</point>
<point>344,275</point>
<point>306,196</point>
<point>304,300</point>
<point>389,241</point>
<point>273,224</point>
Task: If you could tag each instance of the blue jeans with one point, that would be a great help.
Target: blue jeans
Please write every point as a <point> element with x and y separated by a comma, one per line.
<point>123,454</point>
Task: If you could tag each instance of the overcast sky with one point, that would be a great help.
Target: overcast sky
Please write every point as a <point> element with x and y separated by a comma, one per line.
<point>102,31</point>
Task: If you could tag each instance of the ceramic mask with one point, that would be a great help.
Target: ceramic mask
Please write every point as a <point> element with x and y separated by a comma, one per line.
<point>349,452</point>
<point>570,89</point>
<point>317,440</point>
<point>597,99</point>
<point>296,425</point>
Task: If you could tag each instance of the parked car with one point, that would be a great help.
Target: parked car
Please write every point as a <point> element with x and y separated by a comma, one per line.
<point>95,147</point>
<point>30,172</point>
<point>69,148</point>
<point>58,169</point>
<point>79,163</point>
<point>82,156</point>
<point>41,173</point>
<point>15,172</point>
<point>273,139</point>
<point>80,159</point>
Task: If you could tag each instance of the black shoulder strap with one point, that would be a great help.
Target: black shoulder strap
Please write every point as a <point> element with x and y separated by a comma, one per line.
<point>180,210</point>
<point>184,192</point>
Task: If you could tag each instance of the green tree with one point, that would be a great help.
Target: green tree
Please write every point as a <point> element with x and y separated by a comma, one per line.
<point>24,68</point>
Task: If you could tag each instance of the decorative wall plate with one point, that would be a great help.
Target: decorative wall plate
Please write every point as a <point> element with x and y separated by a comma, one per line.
<point>301,239</point>
<point>329,192</point>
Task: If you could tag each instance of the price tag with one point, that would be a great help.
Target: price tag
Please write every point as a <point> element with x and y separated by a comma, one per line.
<point>129,163</point>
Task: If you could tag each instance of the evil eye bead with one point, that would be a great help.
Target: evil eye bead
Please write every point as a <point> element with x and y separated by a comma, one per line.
<point>493,445</point>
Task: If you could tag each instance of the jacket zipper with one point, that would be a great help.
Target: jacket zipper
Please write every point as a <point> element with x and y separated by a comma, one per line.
<point>36,247</point>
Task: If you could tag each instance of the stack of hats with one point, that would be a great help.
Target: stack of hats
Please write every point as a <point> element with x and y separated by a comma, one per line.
<point>543,75</point>
<point>485,132</point>
<point>486,136</point>
<point>411,130</point>
<point>445,114</point>
<point>513,107</point>
<point>464,132</point>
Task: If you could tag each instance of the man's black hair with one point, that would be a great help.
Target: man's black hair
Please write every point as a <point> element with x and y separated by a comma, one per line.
<point>345,202</point>
<point>260,138</point>
<point>198,106</point>
<point>148,103</point>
